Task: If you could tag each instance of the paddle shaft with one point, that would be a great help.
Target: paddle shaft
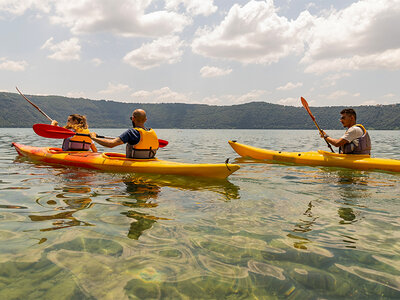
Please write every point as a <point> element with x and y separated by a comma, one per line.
<point>99,136</point>
<point>305,104</point>
<point>34,105</point>
<point>163,143</point>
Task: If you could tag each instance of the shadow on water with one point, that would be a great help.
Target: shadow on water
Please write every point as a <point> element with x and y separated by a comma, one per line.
<point>223,187</point>
<point>349,189</point>
<point>73,196</point>
<point>145,189</point>
<point>143,194</point>
<point>303,226</point>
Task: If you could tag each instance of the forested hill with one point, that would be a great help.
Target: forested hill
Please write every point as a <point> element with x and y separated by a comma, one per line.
<point>17,112</point>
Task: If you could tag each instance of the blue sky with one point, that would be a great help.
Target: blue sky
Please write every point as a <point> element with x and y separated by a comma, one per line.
<point>203,51</point>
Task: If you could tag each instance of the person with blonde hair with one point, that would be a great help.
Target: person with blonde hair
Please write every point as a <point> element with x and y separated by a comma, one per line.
<point>78,124</point>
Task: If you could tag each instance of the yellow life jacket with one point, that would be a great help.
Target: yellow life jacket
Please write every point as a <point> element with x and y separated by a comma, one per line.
<point>147,146</point>
<point>78,142</point>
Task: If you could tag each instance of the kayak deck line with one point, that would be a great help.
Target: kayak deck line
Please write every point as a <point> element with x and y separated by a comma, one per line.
<point>318,158</point>
<point>117,162</point>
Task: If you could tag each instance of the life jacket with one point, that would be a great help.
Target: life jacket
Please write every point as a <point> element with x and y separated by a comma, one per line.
<point>77,142</point>
<point>147,146</point>
<point>363,147</point>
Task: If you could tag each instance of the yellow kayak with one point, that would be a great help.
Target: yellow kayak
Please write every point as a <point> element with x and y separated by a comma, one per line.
<point>117,162</point>
<point>319,158</point>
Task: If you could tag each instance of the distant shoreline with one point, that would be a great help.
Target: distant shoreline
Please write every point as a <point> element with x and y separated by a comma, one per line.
<point>15,112</point>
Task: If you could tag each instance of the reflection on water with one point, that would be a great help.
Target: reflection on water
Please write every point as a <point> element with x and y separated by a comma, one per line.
<point>269,231</point>
<point>352,189</point>
<point>303,226</point>
<point>143,193</point>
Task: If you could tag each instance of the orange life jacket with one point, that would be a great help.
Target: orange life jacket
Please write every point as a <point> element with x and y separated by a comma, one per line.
<point>147,146</point>
<point>77,142</point>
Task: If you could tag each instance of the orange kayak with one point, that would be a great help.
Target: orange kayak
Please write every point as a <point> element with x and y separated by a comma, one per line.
<point>117,162</point>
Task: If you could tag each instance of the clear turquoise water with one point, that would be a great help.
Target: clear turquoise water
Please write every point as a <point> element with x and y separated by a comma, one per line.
<point>269,231</point>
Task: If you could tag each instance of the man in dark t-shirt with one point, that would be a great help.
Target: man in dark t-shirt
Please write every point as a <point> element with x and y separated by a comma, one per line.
<point>130,136</point>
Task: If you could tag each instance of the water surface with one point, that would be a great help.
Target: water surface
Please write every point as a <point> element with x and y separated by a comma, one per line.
<point>269,231</point>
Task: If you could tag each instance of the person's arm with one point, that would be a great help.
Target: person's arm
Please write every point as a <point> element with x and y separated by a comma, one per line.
<point>335,142</point>
<point>106,142</point>
<point>54,123</point>
<point>93,147</point>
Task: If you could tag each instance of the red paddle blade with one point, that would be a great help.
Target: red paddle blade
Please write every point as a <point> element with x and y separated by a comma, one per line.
<point>162,143</point>
<point>52,132</point>
<point>305,104</point>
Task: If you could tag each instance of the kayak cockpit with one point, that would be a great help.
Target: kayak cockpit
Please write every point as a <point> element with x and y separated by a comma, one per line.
<point>113,155</point>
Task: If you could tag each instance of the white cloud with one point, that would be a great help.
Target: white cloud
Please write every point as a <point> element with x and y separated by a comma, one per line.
<point>194,7</point>
<point>166,95</point>
<point>76,94</point>
<point>311,5</point>
<point>253,33</point>
<point>390,95</point>
<point>12,65</point>
<point>96,62</point>
<point>230,99</point>
<point>115,88</point>
<point>355,38</point>
<point>65,50</point>
<point>123,17</point>
<point>389,59</point>
<point>19,7</point>
<point>290,101</point>
<point>340,94</point>
<point>163,95</point>
<point>289,86</point>
<point>370,102</point>
<point>208,71</point>
<point>337,76</point>
<point>165,50</point>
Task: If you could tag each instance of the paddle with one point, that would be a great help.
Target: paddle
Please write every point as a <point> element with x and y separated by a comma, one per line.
<point>305,104</point>
<point>34,105</point>
<point>56,132</point>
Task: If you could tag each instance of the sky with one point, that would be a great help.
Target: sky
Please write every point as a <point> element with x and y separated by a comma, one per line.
<point>216,52</point>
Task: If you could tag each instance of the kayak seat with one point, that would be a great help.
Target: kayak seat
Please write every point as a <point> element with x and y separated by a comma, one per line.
<point>113,154</point>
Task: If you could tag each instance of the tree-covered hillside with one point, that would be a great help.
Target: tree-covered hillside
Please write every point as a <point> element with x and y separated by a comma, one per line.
<point>17,112</point>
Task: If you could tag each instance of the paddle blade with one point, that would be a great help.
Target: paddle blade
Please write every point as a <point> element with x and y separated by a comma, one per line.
<point>52,132</point>
<point>305,104</point>
<point>162,143</point>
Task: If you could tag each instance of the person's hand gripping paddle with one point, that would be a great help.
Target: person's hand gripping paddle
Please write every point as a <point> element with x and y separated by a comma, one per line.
<point>305,104</point>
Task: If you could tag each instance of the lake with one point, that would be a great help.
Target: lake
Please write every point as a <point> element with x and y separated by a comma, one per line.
<point>268,231</point>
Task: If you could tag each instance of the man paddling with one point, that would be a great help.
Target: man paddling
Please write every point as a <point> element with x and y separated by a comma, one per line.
<point>356,139</point>
<point>141,142</point>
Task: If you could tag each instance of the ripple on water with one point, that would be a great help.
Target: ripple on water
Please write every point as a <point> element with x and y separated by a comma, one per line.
<point>266,269</point>
<point>224,270</point>
<point>382,278</point>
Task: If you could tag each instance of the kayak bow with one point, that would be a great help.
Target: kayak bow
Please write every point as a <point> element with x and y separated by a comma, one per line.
<point>117,162</point>
<point>319,158</point>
